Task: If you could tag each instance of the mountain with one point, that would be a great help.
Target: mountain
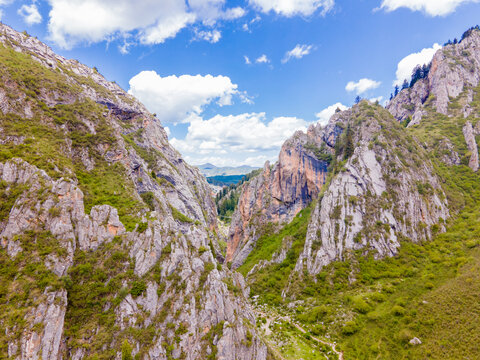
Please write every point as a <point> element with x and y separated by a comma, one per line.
<point>365,232</point>
<point>209,170</point>
<point>108,238</point>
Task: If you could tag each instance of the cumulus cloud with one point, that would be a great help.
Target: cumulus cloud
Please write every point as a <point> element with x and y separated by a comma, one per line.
<point>297,52</point>
<point>247,59</point>
<point>376,99</point>
<point>290,8</point>
<point>151,21</point>
<point>408,63</point>
<point>262,59</point>
<point>177,99</point>
<point>239,138</point>
<point>30,14</point>
<point>362,86</point>
<point>429,7</point>
<point>212,36</point>
<point>325,115</point>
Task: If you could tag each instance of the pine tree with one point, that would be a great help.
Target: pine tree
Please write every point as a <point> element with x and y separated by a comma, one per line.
<point>396,90</point>
<point>358,99</point>
<point>349,149</point>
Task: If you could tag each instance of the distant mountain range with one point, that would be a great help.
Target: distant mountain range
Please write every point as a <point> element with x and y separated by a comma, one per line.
<point>212,170</point>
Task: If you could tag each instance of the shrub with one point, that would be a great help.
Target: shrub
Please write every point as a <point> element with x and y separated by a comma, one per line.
<point>138,287</point>
<point>404,336</point>
<point>361,306</point>
<point>350,328</point>
<point>398,310</point>
<point>148,198</point>
<point>142,227</point>
<point>126,351</point>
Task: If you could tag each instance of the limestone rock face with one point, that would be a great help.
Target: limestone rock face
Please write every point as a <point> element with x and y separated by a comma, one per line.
<point>455,68</point>
<point>278,193</point>
<point>469,135</point>
<point>383,194</point>
<point>164,293</point>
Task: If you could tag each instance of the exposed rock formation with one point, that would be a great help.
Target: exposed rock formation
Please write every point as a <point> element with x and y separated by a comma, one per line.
<point>83,277</point>
<point>469,135</point>
<point>383,194</point>
<point>455,68</point>
<point>278,193</point>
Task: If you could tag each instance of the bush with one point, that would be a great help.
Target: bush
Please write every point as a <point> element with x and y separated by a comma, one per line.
<point>361,306</point>
<point>350,328</point>
<point>138,287</point>
<point>398,310</point>
<point>142,227</point>
<point>126,351</point>
<point>148,198</point>
<point>404,336</point>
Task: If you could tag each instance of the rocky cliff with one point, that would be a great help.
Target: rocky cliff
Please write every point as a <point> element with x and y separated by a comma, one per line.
<point>278,193</point>
<point>454,71</point>
<point>107,235</point>
<point>386,192</point>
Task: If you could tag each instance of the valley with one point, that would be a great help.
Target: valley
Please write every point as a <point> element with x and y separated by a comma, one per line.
<point>361,242</point>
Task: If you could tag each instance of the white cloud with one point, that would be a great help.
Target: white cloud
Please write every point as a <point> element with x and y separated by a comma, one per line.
<point>176,99</point>
<point>408,63</point>
<point>247,60</point>
<point>212,36</point>
<point>167,130</point>
<point>234,13</point>
<point>375,99</point>
<point>430,7</point>
<point>262,59</point>
<point>293,7</point>
<point>362,86</point>
<point>150,21</point>
<point>325,115</point>
<point>236,139</point>
<point>30,14</point>
<point>297,52</point>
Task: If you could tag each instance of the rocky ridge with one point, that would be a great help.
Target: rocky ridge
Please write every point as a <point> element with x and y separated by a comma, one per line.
<point>162,291</point>
<point>277,194</point>
<point>454,71</point>
<point>385,192</point>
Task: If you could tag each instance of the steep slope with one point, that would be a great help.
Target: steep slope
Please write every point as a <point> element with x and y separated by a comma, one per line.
<point>387,191</point>
<point>278,193</point>
<point>107,235</point>
<point>455,70</point>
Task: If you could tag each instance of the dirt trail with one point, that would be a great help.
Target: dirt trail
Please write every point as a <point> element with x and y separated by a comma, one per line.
<point>299,328</point>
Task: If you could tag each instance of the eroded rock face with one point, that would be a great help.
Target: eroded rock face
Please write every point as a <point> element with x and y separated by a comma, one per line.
<point>205,304</point>
<point>383,194</point>
<point>469,135</point>
<point>454,69</point>
<point>278,193</point>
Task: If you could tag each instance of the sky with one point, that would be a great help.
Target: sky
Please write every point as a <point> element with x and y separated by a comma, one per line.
<point>232,80</point>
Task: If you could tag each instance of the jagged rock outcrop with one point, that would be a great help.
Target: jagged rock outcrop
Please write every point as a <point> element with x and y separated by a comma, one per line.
<point>385,192</point>
<point>469,135</point>
<point>84,277</point>
<point>455,69</point>
<point>447,152</point>
<point>278,193</point>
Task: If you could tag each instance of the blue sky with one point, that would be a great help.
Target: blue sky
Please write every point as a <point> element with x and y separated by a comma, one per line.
<point>187,60</point>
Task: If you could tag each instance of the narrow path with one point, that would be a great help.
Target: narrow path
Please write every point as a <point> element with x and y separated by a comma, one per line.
<point>299,328</point>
